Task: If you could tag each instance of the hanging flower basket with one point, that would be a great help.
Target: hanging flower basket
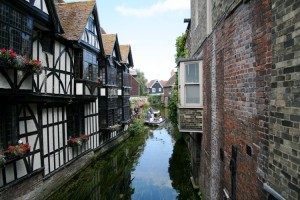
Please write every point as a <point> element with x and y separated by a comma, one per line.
<point>78,141</point>
<point>11,60</point>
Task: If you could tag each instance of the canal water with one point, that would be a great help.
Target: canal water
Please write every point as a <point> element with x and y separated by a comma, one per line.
<point>149,166</point>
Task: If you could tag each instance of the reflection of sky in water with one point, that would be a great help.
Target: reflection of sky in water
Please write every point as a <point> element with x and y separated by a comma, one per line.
<point>151,176</point>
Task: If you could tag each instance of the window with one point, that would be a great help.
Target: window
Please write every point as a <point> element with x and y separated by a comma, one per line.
<point>190,85</point>
<point>75,119</point>
<point>8,132</point>
<point>90,66</point>
<point>91,25</point>
<point>159,89</point>
<point>16,30</point>
<point>153,90</point>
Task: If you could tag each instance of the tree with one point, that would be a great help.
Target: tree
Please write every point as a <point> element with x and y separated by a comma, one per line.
<point>181,50</point>
<point>142,81</point>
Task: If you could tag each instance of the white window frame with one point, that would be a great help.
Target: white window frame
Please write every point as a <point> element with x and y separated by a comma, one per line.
<point>153,90</point>
<point>159,89</point>
<point>182,85</point>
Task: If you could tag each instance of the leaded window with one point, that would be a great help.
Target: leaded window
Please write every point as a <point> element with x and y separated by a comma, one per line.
<point>90,66</point>
<point>8,132</point>
<point>16,30</point>
<point>75,119</point>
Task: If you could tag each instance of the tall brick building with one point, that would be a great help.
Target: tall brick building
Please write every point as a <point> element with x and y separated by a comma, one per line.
<point>247,55</point>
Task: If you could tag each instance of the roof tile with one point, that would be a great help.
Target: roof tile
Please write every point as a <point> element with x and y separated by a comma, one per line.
<point>73,17</point>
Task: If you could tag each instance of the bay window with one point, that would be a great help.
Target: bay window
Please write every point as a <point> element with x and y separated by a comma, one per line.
<point>190,74</point>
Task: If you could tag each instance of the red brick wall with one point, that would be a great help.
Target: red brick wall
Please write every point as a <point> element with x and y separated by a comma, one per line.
<point>135,88</point>
<point>239,53</point>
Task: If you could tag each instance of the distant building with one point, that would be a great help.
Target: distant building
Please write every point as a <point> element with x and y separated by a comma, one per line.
<point>155,87</point>
<point>168,87</point>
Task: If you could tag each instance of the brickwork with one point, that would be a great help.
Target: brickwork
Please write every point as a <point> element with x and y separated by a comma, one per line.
<point>190,119</point>
<point>135,88</point>
<point>284,157</point>
<point>220,8</point>
<point>237,61</point>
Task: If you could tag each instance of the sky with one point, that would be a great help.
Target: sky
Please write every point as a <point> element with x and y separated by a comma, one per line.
<point>150,27</point>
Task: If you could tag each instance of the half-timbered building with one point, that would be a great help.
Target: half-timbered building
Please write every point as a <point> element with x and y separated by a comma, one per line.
<point>74,93</point>
<point>123,76</point>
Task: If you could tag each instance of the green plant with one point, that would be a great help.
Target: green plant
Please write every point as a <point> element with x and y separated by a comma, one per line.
<point>137,127</point>
<point>173,103</point>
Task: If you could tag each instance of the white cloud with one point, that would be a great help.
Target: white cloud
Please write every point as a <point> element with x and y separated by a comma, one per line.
<point>159,7</point>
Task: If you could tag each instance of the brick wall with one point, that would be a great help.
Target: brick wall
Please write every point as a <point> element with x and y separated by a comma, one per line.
<point>135,88</point>
<point>284,156</point>
<point>190,119</point>
<point>237,64</point>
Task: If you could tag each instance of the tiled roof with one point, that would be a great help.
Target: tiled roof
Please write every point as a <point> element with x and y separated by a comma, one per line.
<point>124,52</point>
<point>162,82</point>
<point>171,81</point>
<point>73,17</point>
<point>150,83</point>
<point>109,41</point>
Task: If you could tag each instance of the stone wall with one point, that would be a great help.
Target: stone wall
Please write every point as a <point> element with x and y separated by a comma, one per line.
<point>190,119</point>
<point>284,156</point>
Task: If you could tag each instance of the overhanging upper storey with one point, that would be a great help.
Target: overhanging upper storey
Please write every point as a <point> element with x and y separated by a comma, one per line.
<point>190,88</point>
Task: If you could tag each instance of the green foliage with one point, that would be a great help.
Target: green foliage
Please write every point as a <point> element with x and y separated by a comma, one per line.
<point>142,81</point>
<point>137,127</point>
<point>173,103</point>
<point>155,99</point>
<point>181,50</point>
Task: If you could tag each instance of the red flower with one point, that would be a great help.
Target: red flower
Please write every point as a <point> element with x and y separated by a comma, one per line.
<point>3,50</point>
<point>13,55</point>
<point>10,51</point>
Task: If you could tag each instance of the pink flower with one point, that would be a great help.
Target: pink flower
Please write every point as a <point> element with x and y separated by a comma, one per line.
<point>10,51</point>
<point>3,50</point>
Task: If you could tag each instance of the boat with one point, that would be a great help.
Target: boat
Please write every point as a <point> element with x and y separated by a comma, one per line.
<point>155,123</point>
<point>156,120</point>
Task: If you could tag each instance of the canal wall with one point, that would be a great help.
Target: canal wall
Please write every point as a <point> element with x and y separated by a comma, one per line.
<point>37,187</point>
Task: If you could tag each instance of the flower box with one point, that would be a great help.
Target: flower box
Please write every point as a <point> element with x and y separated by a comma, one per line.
<point>78,141</point>
<point>9,59</point>
<point>19,150</point>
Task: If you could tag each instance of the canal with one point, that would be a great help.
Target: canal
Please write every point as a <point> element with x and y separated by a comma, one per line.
<point>152,165</point>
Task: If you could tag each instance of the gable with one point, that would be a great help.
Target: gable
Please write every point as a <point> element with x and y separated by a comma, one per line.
<point>90,33</point>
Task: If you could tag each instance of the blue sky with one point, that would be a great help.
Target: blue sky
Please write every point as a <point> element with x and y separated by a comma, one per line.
<point>150,27</point>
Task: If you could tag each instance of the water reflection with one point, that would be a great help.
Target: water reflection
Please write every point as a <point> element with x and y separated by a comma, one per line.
<point>151,176</point>
<point>137,169</point>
